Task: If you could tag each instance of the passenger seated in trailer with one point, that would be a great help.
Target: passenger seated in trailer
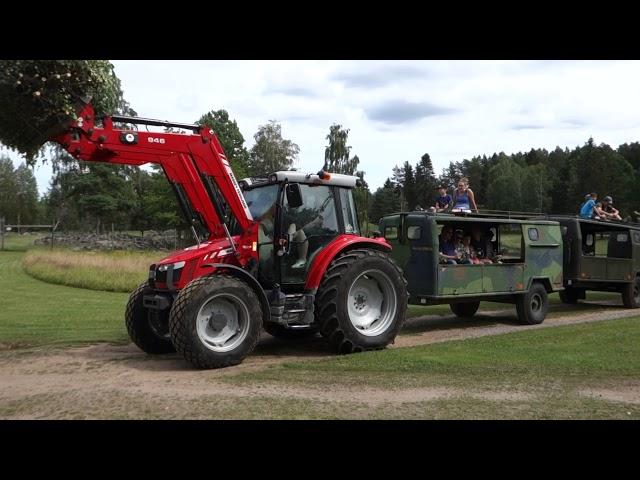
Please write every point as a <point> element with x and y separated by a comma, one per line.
<point>448,253</point>
<point>588,208</point>
<point>473,254</point>
<point>462,250</point>
<point>481,245</point>
<point>609,210</point>
<point>443,201</point>
<point>587,197</point>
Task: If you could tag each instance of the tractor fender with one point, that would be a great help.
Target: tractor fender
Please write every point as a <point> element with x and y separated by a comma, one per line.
<point>250,279</point>
<point>337,246</point>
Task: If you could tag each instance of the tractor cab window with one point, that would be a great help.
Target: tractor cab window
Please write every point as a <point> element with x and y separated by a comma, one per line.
<point>309,227</point>
<point>261,202</point>
<point>348,211</point>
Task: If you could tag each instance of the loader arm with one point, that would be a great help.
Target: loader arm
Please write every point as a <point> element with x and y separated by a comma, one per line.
<point>194,164</point>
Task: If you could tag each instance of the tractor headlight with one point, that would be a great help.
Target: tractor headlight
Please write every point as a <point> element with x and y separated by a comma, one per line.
<point>165,267</point>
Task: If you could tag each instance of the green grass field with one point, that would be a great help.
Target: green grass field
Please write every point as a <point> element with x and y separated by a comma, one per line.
<point>112,271</point>
<point>531,374</point>
<point>38,313</point>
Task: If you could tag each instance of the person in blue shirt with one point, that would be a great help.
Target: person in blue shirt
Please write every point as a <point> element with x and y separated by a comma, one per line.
<point>448,252</point>
<point>588,207</point>
<point>463,198</point>
<point>443,201</point>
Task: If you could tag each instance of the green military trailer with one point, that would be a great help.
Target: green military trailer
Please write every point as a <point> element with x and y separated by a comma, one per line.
<point>522,264</point>
<point>601,256</point>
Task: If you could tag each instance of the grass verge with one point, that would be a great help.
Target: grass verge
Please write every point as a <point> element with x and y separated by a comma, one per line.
<point>551,358</point>
<point>38,313</point>
<point>116,271</point>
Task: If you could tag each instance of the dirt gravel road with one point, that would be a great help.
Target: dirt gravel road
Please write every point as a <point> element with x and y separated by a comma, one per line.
<point>79,382</point>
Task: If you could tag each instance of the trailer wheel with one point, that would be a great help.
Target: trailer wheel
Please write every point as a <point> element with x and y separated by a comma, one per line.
<point>362,301</point>
<point>464,310</point>
<point>147,329</point>
<point>569,295</point>
<point>532,306</point>
<point>284,333</point>
<point>215,322</point>
<point>631,294</point>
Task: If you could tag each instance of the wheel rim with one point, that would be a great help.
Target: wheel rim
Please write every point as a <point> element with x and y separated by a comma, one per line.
<point>536,303</point>
<point>372,303</point>
<point>222,322</point>
<point>158,327</point>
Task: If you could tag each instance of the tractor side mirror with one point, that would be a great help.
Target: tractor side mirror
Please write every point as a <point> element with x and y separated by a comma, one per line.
<point>294,195</point>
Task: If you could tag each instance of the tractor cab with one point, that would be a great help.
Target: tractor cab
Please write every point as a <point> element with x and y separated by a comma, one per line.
<point>298,214</point>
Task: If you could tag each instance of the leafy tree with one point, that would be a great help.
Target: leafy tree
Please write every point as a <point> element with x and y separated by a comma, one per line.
<point>425,182</point>
<point>271,151</point>
<point>36,95</point>
<point>26,198</point>
<point>336,154</point>
<point>384,201</point>
<point>8,190</point>
<point>505,189</point>
<point>230,138</point>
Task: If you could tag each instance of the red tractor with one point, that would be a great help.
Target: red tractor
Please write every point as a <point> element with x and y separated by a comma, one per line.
<point>281,252</point>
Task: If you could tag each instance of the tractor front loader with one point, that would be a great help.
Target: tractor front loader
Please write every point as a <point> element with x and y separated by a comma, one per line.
<point>280,252</point>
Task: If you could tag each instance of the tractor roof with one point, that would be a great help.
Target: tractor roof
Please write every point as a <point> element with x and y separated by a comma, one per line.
<point>320,178</point>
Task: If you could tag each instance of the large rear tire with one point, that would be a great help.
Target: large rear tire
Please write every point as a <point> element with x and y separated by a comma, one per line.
<point>631,294</point>
<point>465,310</point>
<point>215,322</point>
<point>362,301</point>
<point>533,305</point>
<point>284,333</point>
<point>149,330</point>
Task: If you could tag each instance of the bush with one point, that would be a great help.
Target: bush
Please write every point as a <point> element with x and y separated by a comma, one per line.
<point>37,96</point>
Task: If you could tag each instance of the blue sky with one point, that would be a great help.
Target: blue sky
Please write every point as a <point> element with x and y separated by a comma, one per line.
<point>397,110</point>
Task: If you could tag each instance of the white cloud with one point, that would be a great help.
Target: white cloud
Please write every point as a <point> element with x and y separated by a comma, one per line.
<point>398,110</point>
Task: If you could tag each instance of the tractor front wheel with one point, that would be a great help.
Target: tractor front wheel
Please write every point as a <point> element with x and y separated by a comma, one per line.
<point>362,301</point>
<point>148,329</point>
<point>215,322</point>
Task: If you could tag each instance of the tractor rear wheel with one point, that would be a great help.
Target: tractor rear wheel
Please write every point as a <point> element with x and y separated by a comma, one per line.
<point>362,301</point>
<point>465,310</point>
<point>215,322</point>
<point>532,306</point>
<point>148,329</point>
<point>284,333</point>
<point>631,294</point>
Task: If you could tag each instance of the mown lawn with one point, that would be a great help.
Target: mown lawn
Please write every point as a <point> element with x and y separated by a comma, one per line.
<point>542,370</point>
<point>33,312</point>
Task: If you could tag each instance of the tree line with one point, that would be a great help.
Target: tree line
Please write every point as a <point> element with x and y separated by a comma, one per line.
<point>536,181</point>
<point>98,197</point>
